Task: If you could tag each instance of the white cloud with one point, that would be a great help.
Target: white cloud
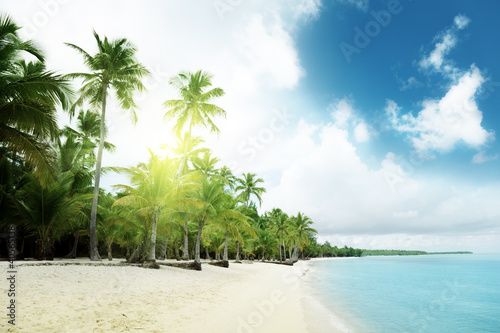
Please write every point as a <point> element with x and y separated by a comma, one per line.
<point>361,133</point>
<point>446,41</point>
<point>410,83</point>
<point>461,21</point>
<point>270,52</point>
<point>341,111</point>
<point>444,123</point>
<point>359,4</point>
<point>309,9</point>
<point>482,157</point>
<point>326,179</point>
<point>442,48</point>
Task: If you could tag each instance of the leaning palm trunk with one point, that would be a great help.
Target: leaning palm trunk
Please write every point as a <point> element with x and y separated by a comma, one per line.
<point>94,252</point>
<point>280,251</point>
<point>225,257</point>
<point>110,252</point>
<point>152,246</point>
<point>185,254</point>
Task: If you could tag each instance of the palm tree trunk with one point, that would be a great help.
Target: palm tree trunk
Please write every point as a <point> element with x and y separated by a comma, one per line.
<point>225,246</point>
<point>280,250</point>
<point>176,250</point>
<point>237,251</point>
<point>94,252</point>
<point>198,243</point>
<point>110,254</point>
<point>207,254</point>
<point>185,254</point>
<point>164,250</point>
<point>152,247</point>
<point>73,253</point>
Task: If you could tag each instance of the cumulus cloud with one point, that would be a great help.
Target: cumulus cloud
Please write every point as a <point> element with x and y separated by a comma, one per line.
<point>482,157</point>
<point>410,83</point>
<point>309,9</point>
<point>442,124</point>
<point>326,179</point>
<point>345,116</point>
<point>270,52</point>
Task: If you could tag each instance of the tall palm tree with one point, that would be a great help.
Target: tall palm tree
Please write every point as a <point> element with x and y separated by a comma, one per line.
<point>113,67</point>
<point>248,186</point>
<point>195,107</point>
<point>213,198</point>
<point>232,222</point>
<point>29,95</point>
<point>279,224</point>
<point>155,189</point>
<point>300,228</point>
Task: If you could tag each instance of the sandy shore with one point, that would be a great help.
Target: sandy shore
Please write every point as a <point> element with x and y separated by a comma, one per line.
<point>244,298</point>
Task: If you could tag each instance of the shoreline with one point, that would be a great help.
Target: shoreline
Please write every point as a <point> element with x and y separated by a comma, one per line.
<point>81,296</point>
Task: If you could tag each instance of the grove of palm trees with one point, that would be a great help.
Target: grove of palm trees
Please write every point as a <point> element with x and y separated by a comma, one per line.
<point>181,205</point>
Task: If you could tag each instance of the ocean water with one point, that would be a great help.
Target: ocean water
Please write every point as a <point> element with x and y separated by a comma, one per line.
<point>414,294</point>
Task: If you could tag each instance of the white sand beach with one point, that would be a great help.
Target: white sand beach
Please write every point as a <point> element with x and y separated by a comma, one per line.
<point>244,298</point>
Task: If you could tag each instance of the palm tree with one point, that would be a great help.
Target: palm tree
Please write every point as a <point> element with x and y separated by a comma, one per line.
<point>29,95</point>
<point>87,133</point>
<point>47,210</point>
<point>248,187</point>
<point>232,222</point>
<point>113,67</point>
<point>206,164</point>
<point>187,150</point>
<point>211,195</point>
<point>300,228</point>
<point>279,221</point>
<point>195,107</point>
<point>155,189</point>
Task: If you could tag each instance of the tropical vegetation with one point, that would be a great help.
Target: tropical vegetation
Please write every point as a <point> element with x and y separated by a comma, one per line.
<point>184,205</point>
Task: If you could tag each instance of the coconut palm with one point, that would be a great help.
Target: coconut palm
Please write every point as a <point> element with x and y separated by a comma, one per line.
<point>279,224</point>
<point>299,228</point>
<point>206,164</point>
<point>214,200</point>
<point>46,211</point>
<point>248,186</point>
<point>113,67</point>
<point>232,222</point>
<point>195,107</point>
<point>29,95</point>
<point>155,189</point>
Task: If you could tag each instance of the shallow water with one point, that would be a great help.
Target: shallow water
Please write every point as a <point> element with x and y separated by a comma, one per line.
<point>433,293</point>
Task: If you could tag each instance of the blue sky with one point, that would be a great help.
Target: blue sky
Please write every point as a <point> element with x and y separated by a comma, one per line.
<point>392,146</point>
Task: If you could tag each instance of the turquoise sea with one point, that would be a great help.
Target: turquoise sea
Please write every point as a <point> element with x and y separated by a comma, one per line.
<point>414,294</point>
